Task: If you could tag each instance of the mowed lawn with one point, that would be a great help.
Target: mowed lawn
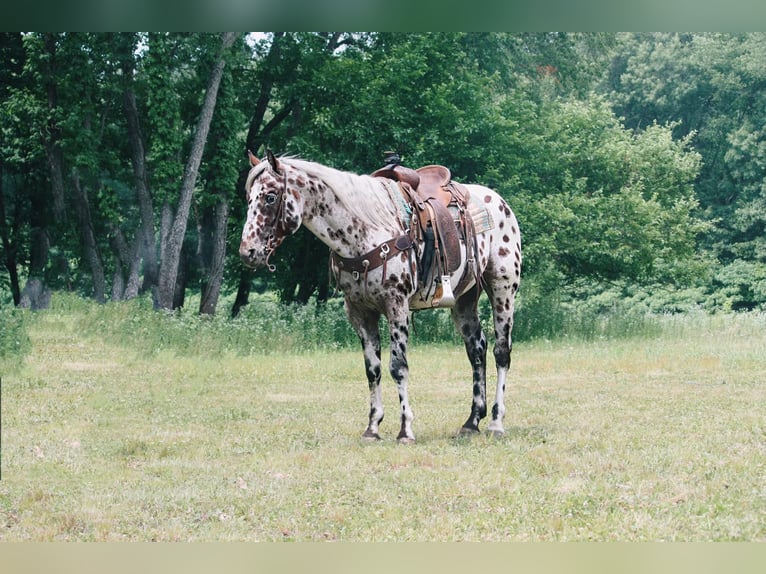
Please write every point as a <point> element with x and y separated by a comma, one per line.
<point>658,439</point>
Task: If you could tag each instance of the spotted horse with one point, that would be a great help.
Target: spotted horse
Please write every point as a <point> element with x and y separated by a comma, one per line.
<point>365,218</point>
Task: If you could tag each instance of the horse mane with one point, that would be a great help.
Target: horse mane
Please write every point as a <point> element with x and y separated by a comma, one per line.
<point>365,197</point>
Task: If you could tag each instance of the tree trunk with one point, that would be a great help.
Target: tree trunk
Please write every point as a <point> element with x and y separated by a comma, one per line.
<point>174,242</point>
<point>166,222</point>
<point>51,138</point>
<point>88,238</point>
<point>179,293</point>
<point>215,262</point>
<point>127,258</point>
<point>126,47</point>
<point>9,237</point>
<point>140,179</point>
<point>253,139</point>
<point>36,294</point>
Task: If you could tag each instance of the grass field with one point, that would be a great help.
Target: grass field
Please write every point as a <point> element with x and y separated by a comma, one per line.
<point>660,438</point>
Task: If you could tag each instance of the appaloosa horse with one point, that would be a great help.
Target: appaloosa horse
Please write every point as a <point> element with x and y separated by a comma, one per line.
<point>365,220</point>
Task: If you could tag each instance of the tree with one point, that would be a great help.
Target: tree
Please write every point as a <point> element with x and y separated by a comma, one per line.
<point>287,81</point>
<point>11,65</point>
<point>172,242</point>
<point>141,138</point>
<point>221,175</point>
<point>597,200</point>
<point>146,244</point>
<point>711,85</point>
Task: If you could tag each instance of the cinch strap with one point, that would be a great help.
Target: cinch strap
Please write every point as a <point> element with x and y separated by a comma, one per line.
<point>360,266</point>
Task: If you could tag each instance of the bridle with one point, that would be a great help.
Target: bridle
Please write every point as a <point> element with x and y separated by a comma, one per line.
<point>279,223</point>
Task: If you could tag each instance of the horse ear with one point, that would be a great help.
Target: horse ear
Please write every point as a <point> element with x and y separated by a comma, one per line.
<point>272,160</point>
<point>253,160</point>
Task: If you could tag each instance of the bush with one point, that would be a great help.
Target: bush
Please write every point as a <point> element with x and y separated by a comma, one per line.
<point>740,285</point>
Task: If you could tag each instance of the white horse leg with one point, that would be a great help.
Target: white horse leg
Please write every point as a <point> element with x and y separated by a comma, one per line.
<point>503,318</point>
<point>366,324</point>
<point>399,322</point>
<point>498,410</point>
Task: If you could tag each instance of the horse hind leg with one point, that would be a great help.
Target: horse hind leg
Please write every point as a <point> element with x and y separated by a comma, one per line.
<point>502,353</point>
<point>502,296</point>
<point>466,319</point>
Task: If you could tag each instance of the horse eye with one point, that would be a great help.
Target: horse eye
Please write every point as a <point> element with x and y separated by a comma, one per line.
<point>271,199</point>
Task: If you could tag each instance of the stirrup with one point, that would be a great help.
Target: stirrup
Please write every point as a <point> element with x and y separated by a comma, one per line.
<point>447,298</point>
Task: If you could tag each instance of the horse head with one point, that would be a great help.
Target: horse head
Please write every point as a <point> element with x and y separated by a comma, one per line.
<point>273,211</point>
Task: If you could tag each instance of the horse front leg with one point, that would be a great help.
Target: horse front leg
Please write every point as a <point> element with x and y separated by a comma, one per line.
<point>399,328</point>
<point>365,323</point>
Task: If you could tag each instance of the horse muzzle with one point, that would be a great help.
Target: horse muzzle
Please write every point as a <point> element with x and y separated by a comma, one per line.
<point>252,257</point>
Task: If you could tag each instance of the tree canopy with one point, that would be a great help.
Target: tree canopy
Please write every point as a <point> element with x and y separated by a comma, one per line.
<point>630,159</point>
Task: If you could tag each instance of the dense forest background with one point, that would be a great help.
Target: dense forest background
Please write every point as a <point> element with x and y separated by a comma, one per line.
<point>636,163</point>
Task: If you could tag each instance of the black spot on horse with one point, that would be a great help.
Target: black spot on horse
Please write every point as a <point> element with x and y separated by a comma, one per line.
<point>373,373</point>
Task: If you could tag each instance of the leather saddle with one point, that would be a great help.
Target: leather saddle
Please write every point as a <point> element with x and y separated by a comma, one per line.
<point>432,192</point>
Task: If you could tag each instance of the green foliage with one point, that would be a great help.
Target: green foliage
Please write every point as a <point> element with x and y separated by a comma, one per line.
<point>740,285</point>
<point>597,200</point>
<point>265,326</point>
<point>545,310</point>
<point>432,103</point>
<point>622,155</point>
<point>167,79</point>
<point>583,311</point>
<point>710,85</point>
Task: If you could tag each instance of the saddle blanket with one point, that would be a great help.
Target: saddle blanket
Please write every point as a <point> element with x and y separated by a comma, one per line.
<point>482,218</point>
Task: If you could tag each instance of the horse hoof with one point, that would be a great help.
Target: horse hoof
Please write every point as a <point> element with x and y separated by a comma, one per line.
<point>405,440</point>
<point>496,433</point>
<point>371,436</point>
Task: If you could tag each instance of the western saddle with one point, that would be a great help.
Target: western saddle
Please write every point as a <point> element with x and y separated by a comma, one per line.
<point>439,223</point>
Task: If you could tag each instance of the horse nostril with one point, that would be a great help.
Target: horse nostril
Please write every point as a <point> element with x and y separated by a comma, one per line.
<point>245,252</point>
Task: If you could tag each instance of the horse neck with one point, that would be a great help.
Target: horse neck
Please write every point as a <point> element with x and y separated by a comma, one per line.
<point>327,215</point>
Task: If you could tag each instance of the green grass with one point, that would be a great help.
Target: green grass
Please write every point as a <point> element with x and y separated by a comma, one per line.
<point>116,436</point>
